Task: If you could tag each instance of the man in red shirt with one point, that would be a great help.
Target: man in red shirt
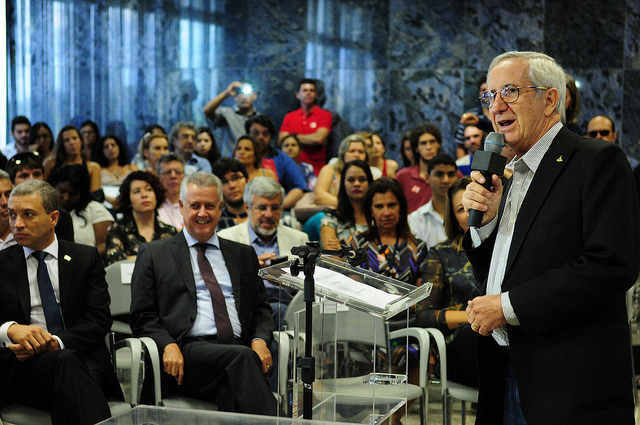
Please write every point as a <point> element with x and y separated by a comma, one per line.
<point>426,141</point>
<point>312,125</point>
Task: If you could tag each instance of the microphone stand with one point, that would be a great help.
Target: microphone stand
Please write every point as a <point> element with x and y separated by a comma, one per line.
<point>309,253</point>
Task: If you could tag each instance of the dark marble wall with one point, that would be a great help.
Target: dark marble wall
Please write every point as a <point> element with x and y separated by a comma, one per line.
<point>386,64</point>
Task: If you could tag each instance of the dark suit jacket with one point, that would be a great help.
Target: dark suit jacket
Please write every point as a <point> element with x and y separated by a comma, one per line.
<point>163,304</point>
<point>84,301</point>
<point>574,254</point>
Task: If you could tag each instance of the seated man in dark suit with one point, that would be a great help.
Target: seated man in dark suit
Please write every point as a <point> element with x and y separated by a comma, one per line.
<point>54,315</point>
<point>200,298</point>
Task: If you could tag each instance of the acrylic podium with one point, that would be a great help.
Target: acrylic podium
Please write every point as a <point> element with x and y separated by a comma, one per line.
<point>354,381</point>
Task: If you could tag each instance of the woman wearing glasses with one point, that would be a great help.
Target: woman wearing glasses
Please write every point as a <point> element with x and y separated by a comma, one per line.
<point>141,194</point>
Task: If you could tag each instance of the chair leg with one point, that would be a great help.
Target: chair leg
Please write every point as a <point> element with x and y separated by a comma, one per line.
<point>446,413</point>
<point>464,411</point>
<point>423,410</point>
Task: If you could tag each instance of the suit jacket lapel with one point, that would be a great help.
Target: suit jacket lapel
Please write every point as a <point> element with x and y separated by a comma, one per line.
<point>180,251</point>
<point>551,165</point>
<point>65,272</point>
<point>18,271</point>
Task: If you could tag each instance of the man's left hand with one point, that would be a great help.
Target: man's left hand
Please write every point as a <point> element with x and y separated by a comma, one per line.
<point>260,347</point>
<point>485,314</point>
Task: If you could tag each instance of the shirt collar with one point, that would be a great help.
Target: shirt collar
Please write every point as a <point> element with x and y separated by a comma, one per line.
<point>427,209</point>
<point>534,156</point>
<point>191,241</point>
<point>52,249</point>
<point>254,238</point>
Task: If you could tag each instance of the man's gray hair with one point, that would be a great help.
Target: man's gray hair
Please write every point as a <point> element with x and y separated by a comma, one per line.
<point>173,134</point>
<point>265,187</point>
<point>168,157</point>
<point>5,176</point>
<point>202,180</point>
<point>44,190</point>
<point>544,71</point>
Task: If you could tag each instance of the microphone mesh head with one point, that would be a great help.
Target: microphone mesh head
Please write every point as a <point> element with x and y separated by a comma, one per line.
<point>494,142</point>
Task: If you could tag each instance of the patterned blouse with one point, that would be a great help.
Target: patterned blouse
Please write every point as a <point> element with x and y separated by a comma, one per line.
<point>124,240</point>
<point>404,261</point>
<point>345,233</point>
<point>453,285</point>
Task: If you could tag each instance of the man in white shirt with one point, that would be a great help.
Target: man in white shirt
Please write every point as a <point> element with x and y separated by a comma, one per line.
<point>427,222</point>
<point>170,169</point>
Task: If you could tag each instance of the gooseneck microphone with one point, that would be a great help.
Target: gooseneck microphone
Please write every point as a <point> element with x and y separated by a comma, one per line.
<point>488,162</point>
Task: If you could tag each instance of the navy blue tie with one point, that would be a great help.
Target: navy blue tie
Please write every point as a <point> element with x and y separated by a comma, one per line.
<point>52,313</point>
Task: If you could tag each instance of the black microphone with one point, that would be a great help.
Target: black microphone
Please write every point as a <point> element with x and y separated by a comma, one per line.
<point>488,162</point>
<point>358,257</point>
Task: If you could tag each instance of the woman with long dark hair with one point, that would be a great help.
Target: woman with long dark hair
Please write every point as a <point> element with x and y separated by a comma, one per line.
<point>250,153</point>
<point>393,250</point>
<point>206,146</point>
<point>69,149</point>
<point>349,219</point>
<point>90,218</point>
<point>41,136</point>
<point>112,156</point>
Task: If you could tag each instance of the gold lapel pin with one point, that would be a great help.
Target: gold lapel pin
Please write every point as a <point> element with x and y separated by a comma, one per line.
<point>66,257</point>
<point>559,159</point>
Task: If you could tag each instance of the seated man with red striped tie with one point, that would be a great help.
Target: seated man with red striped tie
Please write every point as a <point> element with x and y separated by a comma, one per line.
<point>200,299</point>
<point>54,316</point>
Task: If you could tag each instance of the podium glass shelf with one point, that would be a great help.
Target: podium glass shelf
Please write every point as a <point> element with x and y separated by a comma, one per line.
<point>154,415</point>
<point>356,287</point>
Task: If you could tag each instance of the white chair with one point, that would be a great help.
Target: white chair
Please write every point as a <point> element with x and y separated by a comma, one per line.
<point>449,389</point>
<point>128,352</point>
<point>179,401</point>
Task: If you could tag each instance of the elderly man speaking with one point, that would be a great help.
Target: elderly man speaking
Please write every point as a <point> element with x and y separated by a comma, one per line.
<point>557,250</point>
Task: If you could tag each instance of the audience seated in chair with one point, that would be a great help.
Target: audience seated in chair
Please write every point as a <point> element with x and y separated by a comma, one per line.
<point>349,219</point>
<point>170,171</point>
<point>140,195</point>
<point>45,361</point>
<point>91,220</point>
<point>69,149</point>
<point>427,222</point>
<point>200,299</point>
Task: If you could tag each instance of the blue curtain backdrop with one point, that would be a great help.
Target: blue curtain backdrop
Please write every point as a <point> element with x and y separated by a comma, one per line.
<point>386,64</point>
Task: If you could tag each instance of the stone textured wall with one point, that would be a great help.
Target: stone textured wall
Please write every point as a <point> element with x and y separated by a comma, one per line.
<point>386,64</point>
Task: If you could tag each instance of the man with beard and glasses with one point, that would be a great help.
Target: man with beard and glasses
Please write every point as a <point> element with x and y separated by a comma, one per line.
<point>234,177</point>
<point>263,197</point>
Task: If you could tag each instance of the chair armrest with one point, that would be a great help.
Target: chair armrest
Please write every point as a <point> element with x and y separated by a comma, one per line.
<point>136,360</point>
<point>422,336</point>
<point>154,356</point>
<point>442,354</point>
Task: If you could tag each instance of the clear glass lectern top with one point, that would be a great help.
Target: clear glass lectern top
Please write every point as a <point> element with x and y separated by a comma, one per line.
<point>153,415</point>
<point>356,287</point>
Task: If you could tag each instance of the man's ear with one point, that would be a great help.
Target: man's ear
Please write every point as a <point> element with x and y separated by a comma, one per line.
<point>552,98</point>
<point>54,215</point>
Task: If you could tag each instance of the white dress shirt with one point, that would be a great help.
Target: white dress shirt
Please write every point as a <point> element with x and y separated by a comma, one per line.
<point>524,168</point>
<point>427,225</point>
